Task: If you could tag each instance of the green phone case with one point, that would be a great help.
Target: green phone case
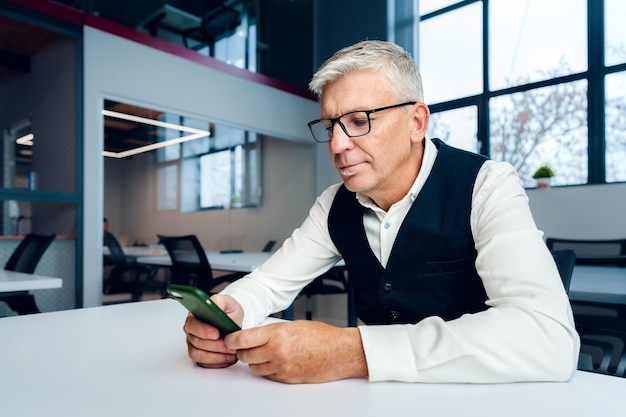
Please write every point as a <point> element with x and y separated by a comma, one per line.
<point>201,306</point>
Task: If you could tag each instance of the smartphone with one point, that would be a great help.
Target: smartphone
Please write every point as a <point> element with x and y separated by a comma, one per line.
<point>200,305</point>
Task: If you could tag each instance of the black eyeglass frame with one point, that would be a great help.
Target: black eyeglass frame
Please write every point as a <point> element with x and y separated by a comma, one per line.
<point>369,122</point>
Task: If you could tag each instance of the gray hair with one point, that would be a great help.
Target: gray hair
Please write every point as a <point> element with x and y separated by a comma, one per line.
<point>397,65</point>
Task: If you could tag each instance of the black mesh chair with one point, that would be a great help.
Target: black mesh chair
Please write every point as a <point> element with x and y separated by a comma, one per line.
<point>25,259</point>
<point>593,252</point>
<point>565,260</point>
<point>268,246</point>
<point>124,276</point>
<point>605,336</point>
<point>190,265</point>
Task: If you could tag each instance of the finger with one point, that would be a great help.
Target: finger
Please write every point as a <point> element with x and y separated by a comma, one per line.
<point>230,306</point>
<point>250,338</point>
<point>195,327</point>
<point>208,359</point>
<point>209,345</point>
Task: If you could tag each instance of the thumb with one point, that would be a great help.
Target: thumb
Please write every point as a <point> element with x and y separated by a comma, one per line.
<point>230,306</point>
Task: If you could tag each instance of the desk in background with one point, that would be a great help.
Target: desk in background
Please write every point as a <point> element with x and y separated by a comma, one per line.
<point>16,287</point>
<point>597,284</point>
<point>136,251</point>
<point>232,262</point>
<point>18,281</point>
<point>131,360</point>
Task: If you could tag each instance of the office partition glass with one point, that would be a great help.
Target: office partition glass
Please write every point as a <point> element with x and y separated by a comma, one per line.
<point>198,164</point>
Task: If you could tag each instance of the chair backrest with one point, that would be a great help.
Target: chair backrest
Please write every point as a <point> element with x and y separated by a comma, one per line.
<point>565,260</point>
<point>28,253</point>
<point>116,253</point>
<point>268,246</point>
<point>589,248</point>
<point>190,265</point>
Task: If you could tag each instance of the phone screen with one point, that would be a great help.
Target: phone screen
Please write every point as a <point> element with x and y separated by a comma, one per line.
<point>201,306</point>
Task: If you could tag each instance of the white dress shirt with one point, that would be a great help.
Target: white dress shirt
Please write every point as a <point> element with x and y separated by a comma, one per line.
<point>528,333</point>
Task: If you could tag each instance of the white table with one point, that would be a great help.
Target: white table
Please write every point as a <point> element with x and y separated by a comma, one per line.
<point>235,262</point>
<point>135,251</point>
<point>131,360</point>
<point>17,281</point>
<point>598,284</point>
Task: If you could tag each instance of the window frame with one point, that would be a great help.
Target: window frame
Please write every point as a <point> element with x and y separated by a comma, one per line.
<point>594,75</point>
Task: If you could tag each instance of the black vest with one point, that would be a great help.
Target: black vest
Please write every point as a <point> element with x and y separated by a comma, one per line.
<point>431,269</point>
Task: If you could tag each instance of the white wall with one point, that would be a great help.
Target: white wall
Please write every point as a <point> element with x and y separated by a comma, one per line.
<point>127,71</point>
<point>581,212</point>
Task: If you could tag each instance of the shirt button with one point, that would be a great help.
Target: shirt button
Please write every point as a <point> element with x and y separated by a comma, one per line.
<point>393,314</point>
<point>387,287</point>
<point>386,225</point>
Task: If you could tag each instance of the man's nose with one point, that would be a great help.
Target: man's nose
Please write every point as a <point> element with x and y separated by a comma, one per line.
<point>339,140</point>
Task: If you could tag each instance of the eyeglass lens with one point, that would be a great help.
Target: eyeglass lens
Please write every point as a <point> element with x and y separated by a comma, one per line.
<point>353,124</point>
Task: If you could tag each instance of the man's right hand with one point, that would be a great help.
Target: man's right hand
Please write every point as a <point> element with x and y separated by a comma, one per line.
<point>204,344</point>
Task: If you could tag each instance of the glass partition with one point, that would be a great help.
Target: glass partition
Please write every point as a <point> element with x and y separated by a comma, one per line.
<point>197,164</point>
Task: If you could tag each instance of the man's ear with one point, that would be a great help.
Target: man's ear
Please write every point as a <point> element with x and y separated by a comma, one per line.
<point>421,115</point>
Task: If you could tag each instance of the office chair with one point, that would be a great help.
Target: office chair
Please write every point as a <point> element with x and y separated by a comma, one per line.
<point>190,265</point>
<point>565,260</point>
<point>25,259</point>
<point>124,276</point>
<point>593,252</point>
<point>268,246</point>
<point>605,335</point>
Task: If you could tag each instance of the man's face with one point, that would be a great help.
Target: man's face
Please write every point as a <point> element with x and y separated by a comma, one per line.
<point>381,163</point>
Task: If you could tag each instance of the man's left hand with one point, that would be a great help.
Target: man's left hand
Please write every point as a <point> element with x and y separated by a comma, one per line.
<point>301,351</point>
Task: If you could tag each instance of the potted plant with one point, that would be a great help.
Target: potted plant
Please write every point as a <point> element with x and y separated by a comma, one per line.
<point>543,175</point>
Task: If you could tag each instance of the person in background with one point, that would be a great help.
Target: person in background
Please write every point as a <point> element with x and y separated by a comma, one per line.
<point>105,230</point>
<point>450,275</point>
<point>106,238</point>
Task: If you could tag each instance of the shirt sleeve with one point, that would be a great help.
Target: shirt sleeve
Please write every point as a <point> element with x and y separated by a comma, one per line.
<point>527,334</point>
<point>305,255</point>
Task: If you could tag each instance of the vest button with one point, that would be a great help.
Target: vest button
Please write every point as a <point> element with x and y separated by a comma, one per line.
<point>393,314</point>
<point>387,287</point>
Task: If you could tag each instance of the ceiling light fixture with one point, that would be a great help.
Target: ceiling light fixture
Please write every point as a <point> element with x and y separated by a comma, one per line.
<point>195,134</point>
<point>154,146</point>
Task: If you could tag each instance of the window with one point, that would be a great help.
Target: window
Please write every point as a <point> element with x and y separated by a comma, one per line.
<point>221,171</point>
<point>456,127</point>
<point>615,38</point>
<point>615,124</point>
<point>238,46</point>
<point>167,180</point>
<point>443,53</point>
<point>517,81</point>
<point>525,45</point>
<point>218,171</point>
<point>543,126</point>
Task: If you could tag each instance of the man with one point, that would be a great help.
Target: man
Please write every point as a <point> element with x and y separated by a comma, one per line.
<point>448,268</point>
<point>106,239</point>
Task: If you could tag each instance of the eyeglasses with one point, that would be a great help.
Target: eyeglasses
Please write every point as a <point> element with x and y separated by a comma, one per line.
<point>354,124</point>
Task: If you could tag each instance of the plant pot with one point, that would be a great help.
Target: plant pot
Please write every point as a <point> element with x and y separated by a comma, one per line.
<point>543,182</point>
